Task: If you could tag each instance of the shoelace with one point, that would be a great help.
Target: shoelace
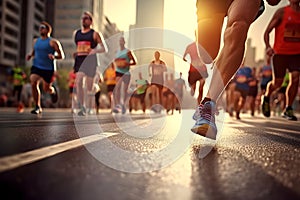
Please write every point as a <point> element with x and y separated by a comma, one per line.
<point>205,111</point>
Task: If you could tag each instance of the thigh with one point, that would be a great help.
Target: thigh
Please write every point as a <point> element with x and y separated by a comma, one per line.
<point>89,83</point>
<point>294,63</point>
<point>280,63</point>
<point>210,22</point>
<point>34,78</point>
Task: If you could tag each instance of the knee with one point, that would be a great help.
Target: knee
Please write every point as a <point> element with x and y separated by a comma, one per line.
<point>277,83</point>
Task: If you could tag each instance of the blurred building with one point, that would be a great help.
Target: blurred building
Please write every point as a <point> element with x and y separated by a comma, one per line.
<point>149,14</point>
<point>250,53</point>
<point>11,21</point>
<point>67,19</point>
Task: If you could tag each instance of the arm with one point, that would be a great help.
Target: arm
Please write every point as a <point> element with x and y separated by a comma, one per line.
<point>275,21</point>
<point>132,58</point>
<point>99,39</point>
<point>150,69</point>
<point>165,66</point>
<point>185,54</point>
<point>55,44</point>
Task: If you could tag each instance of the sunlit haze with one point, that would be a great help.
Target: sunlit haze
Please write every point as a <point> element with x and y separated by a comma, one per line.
<point>180,16</point>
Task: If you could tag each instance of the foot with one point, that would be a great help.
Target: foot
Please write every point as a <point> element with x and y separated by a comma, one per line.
<point>238,116</point>
<point>205,123</point>
<point>20,108</point>
<point>265,107</point>
<point>117,109</point>
<point>54,96</point>
<point>289,114</point>
<point>82,111</point>
<point>36,110</point>
<point>123,109</point>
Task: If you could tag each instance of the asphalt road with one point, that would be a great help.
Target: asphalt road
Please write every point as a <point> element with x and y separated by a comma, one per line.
<point>146,156</point>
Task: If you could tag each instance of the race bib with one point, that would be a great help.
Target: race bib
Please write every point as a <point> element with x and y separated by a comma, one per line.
<point>241,79</point>
<point>292,32</point>
<point>83,47</point>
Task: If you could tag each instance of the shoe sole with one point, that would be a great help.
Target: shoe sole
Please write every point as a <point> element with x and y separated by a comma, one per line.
<point>204,130</point>
<point>36,113</point>
<point>290,118</point>
<point>81,114</point>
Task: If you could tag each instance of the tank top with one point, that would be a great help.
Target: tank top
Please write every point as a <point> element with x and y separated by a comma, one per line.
<point>287,34</point>
<point>41,50</point>
<point>84,41</point>
<point>110,75</point>
<point>122,55</point>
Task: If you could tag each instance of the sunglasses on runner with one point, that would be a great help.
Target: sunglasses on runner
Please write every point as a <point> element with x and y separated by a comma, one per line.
<point>43,26</point>
<point>84,18</point>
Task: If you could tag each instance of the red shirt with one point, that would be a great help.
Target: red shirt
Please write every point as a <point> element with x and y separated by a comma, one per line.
<point>287,34</point>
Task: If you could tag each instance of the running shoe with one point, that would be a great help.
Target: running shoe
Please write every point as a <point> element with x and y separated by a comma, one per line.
<point>54,96</point>
<point>36,110</point>
<point>265,107</point>
<point>20,108</point>
<point>205,124</point>
<point>117,109</point>
<point>123,109</point>
<point>82,111</point>
<point>289,114</point>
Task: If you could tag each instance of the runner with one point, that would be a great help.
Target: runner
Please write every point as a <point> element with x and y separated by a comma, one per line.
<point>45,51</point>
<point>19,77</point>
<point>87,40</point>
<point>110,81</point>
<point>156,69</point>
<point>285,55</point>
<point>197,71</point>
<point>139,94</point>
<point>124,59</point>
<point>179,86</point>
<point>229,58</point>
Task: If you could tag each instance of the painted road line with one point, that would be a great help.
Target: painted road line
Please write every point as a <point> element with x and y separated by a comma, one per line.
<point>18,160</point>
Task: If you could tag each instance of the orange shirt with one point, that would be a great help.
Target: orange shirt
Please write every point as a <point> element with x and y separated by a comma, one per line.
<point>110,76</point>
<point>287,34</point>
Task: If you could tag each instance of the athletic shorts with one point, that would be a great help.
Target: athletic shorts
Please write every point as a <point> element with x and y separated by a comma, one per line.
<point>86,64</point>
<point>208,8</point>
<point>72,90</point>
<point>159,86</point>
<point>110,88</point>
<point>141,97</point>
<point>125,78</point>
<point>193,77</point>
<point>244,92</point>
<point>282,90</point>
<point>283,62</point>
<point>47,75</point>
<point>253,91</point>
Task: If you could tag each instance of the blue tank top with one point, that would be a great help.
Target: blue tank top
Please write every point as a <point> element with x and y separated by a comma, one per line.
<point>242,78</point>
<point>41,50</point>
